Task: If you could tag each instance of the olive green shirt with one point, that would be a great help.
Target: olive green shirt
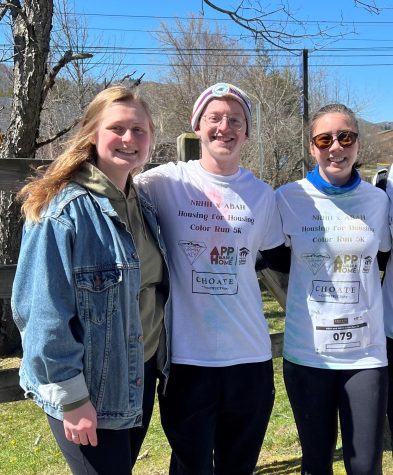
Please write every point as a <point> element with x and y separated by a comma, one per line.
<point>127,206</point>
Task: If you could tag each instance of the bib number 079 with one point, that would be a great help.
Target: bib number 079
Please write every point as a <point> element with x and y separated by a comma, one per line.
<point>341,336</point>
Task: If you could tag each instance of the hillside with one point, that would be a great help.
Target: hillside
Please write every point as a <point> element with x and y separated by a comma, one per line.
<point>376,139</point>
<point>376,143</point>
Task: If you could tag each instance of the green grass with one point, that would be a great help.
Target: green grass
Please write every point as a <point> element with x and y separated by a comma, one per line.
<point>28,448</point>
<point>27,445</point>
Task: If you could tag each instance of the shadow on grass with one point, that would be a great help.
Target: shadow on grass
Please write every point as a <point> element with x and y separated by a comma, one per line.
<point>279,467</point>
<point>289,467</point>
<point>270,314</point>
<point>293,466</point>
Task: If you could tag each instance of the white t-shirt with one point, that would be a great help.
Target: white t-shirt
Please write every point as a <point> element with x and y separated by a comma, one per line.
<point>388,278</point>
<point>334,316</point>
<point>213,226</point>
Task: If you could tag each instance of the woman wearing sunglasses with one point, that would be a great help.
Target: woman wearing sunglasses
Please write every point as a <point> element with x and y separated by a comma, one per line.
<point>334,350</point>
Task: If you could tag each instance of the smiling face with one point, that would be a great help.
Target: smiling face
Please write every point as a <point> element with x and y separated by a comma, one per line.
<point>335,163</point>
<point>220,144</point>
<point>123,140</point>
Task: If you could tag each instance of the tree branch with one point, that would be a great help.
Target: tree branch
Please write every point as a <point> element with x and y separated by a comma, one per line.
<point>127,76</point>
<point>5,7</point>
<point>67,58</point>
<point>58,134</point>
<point>279,38</point>
<point>256,25</point>
<point>370,7</point>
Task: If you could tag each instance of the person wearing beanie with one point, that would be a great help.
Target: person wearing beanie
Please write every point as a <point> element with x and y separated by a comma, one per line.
<point>215,216</point>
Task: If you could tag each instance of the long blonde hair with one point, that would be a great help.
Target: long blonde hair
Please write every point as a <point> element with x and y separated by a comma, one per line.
<point>38,193</point>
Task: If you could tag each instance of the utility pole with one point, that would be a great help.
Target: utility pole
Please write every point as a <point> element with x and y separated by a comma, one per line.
<point>304,109</point>
<point>259,139</point>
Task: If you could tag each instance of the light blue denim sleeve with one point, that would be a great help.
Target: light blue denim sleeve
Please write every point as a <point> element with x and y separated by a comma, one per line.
<point>45,311</point>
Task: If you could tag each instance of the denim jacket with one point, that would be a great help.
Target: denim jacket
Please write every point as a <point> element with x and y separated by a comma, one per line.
<point>75,302</point>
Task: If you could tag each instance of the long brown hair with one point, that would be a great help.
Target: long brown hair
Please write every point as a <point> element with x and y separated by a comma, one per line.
<point>38,193</point>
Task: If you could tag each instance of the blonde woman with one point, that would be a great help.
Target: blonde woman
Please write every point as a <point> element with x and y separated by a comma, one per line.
<point>90,291</point>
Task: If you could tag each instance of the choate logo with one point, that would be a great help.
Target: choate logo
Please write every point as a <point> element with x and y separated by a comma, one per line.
<point>342,292</point>
<point>214,284</point>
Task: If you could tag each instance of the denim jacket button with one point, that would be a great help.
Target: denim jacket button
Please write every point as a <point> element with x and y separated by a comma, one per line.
<point>140,338</point>
<point>139,382</point>
<point>135,255</point>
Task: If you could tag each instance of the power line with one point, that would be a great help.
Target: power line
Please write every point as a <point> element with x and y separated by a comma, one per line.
<point>265,19</point>
<point>258,52</point>
<point>227,65</point>
<point>197,33</point>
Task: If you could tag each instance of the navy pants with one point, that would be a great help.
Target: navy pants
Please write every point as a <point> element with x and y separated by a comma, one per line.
<point>215,418</point>
<point>117,450</point>
<point>358,397</point>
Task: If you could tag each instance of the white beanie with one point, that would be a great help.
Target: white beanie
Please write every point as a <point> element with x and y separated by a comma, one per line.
<point>221,89</point>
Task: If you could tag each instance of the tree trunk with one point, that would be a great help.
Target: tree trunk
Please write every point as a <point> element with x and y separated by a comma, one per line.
<point>31,28</point>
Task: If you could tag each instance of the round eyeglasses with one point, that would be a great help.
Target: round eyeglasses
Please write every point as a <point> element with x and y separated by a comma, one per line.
<point>234,123</point>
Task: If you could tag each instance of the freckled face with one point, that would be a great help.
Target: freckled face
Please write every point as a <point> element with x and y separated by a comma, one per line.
<point>122,140</point>
<point>335,163</point>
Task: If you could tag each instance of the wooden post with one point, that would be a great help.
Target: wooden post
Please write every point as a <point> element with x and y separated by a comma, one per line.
<point>9,386</point>
<point>305,118</point>
<point>187,147</point>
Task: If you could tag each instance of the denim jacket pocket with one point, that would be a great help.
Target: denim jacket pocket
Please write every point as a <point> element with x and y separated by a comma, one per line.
<point>97,293</point>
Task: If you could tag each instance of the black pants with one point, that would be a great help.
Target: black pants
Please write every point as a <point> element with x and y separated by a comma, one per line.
<point>359,397</point>
<point>117,450</point>
<point>389,348</point>
<point>215,418</point>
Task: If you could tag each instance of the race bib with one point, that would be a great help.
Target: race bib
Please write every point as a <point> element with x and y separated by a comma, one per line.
<point>342,333</point>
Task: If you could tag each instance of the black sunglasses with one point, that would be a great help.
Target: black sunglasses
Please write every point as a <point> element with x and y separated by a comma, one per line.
<point>345,138</point>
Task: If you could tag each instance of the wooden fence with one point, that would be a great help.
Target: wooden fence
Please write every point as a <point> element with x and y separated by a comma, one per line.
<point>13,173</point>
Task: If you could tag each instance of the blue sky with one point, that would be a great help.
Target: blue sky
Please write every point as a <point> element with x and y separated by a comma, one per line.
<point>365,83</point>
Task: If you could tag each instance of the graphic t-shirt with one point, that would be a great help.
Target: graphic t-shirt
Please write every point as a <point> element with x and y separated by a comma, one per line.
<point>213,226</point>
<point>334,316</point>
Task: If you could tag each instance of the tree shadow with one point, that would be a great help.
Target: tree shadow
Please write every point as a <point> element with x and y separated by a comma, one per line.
<point>293,466</point>
<point>288,467</point>
<point>279,467</point>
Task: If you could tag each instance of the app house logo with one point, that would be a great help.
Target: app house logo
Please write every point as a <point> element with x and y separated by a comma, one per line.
<point>223,256</point>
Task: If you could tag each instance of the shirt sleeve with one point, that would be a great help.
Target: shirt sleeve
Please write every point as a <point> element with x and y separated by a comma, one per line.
<point>273,235</point>
<point>149,182</point>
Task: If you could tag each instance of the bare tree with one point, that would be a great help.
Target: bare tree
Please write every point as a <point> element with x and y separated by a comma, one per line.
<point>204,55</point>
<point>199,56</point>
<point>31,24</point>
<point>270,24</point>
<point>279,131</point>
